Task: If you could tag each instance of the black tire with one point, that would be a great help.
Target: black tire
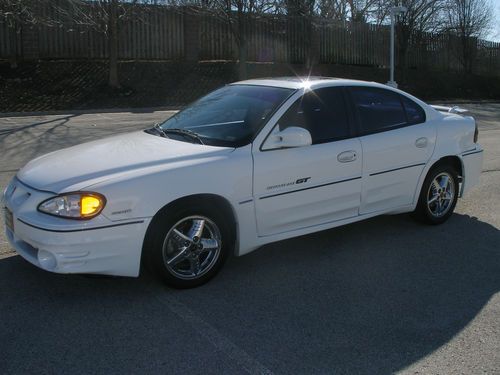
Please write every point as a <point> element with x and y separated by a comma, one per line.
<point>425,212</point>
<point>163,224</point>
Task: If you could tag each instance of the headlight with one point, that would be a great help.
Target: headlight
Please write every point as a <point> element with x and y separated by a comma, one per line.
<point>74,205</point>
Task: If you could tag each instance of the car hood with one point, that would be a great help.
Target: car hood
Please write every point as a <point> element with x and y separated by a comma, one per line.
<point>77,167</point>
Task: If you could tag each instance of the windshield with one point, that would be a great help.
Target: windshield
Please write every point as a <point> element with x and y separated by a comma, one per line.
<point>229,116</point>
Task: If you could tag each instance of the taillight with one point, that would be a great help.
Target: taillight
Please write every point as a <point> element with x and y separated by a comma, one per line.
<point>476,132</point>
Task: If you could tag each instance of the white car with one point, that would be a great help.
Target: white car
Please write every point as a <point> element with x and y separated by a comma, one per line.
<point>251,163</point>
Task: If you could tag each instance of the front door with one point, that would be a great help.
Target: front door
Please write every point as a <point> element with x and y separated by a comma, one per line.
<point>301,187</point>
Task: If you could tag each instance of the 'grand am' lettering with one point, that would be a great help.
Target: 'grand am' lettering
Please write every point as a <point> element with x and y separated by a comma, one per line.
<point>296,182</point>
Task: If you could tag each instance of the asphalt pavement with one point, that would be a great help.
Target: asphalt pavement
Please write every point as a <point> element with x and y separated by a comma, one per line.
<point>381,296</point>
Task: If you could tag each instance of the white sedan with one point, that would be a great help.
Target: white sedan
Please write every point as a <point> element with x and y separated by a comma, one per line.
<point>251,163</point>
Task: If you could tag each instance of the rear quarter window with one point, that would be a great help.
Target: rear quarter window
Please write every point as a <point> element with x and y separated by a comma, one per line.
<point>414,113</point>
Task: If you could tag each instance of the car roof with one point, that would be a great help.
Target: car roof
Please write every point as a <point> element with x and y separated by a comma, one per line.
<point>314,82</point>
<point>298,82</point>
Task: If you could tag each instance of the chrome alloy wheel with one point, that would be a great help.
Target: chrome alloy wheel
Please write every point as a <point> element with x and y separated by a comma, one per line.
<point>441,194</point>
<point>191,247</point>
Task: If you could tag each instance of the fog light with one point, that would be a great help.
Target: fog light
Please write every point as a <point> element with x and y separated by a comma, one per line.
<point>47,260</point>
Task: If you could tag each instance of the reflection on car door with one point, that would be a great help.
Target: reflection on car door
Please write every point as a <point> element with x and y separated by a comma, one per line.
<point>301,187</point>
<point>397,143</point>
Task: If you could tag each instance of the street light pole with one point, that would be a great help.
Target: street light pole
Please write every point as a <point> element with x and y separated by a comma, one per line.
<point>391,79</point>
<point>394,11</point>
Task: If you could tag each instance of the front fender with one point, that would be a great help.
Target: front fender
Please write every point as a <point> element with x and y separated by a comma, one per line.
<point>145,192</point>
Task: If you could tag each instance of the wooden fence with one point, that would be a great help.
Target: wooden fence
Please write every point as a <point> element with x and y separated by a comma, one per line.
<point>163,33</point>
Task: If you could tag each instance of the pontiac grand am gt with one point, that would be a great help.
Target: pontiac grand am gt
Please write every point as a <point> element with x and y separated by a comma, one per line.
<point>251,163</point>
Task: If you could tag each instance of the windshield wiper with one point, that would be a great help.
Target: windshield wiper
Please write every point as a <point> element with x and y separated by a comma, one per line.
<point>158,128</point>
<point>186,132</point>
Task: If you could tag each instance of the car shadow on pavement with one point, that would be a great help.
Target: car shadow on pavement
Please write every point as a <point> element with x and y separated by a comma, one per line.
<point>372,297</point>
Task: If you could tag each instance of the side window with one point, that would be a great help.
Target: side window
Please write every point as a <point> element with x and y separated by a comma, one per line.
<point>378,109</point>
<point>414,113</point>
<point>322,112</point>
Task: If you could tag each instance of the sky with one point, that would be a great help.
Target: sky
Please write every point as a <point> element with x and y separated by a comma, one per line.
<point>494,34</point>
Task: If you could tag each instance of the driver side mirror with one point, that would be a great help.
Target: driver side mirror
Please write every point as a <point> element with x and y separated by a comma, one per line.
<point>292,136</point>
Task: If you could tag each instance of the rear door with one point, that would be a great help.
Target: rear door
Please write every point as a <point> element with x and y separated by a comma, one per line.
<point>305,186</point>
<point>397,143</point>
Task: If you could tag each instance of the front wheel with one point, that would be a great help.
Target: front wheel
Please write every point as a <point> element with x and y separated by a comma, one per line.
<point>438,196</point>
<point>187,246</point>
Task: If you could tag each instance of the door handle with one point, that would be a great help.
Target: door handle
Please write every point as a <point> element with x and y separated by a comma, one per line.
<point>347,156</point>
<point>421,142</point>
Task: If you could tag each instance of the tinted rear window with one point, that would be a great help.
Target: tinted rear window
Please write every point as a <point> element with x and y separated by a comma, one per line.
<point>378,109</point>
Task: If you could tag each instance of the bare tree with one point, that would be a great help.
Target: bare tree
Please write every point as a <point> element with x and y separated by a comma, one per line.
<point>380,12</point>
<point>101,15</point>
<point>104,16</point>
<point>469,20</point>
<point>25,11</point>
<point>240,15</point>
<point>361,10</point>
<point>421,16</point>
<point>22,12</point>
<point>337,10</point>
<point>113,43</point>
<point>300,23</point>
<point>374,11</point>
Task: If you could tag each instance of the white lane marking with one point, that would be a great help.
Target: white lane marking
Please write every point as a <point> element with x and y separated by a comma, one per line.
<point>222,343</point>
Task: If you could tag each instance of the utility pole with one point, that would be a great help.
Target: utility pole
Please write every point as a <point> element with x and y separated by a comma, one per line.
<point>394,12</point>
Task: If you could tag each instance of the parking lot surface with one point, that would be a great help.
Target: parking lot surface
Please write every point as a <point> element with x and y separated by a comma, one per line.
<point>381,296</point>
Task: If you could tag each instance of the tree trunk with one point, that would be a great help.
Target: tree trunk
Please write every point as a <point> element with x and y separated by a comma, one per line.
<point>242,60</point>
<point>465,53</point>
<point>12,33</point>
<point>312,46</point>
<point>113,44</point>
<point>469,49</point>
<point>242,45</point>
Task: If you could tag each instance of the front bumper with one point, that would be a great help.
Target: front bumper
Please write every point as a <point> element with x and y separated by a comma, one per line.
<point>108,251</point>
<point>69,246</point>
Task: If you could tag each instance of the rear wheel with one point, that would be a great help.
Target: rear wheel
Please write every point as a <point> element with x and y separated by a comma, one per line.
<point>438,196</point>
<point>187,246</point>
